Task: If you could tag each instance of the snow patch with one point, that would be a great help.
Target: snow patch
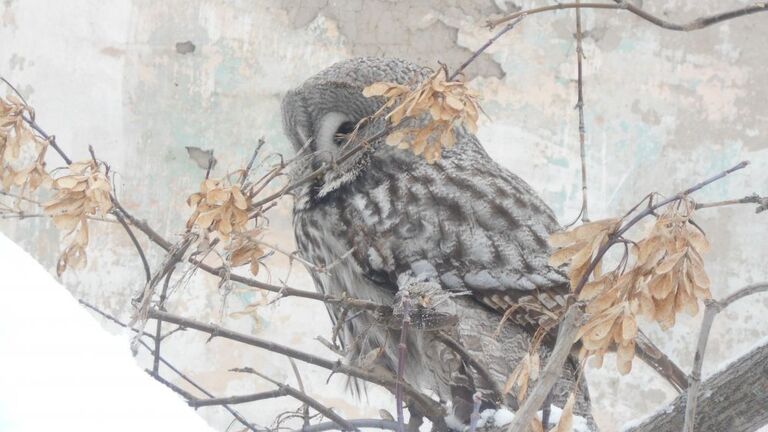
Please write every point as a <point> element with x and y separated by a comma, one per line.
<point>62,371</point>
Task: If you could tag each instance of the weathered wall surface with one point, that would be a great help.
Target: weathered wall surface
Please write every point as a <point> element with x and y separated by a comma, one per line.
<point>664,110</point>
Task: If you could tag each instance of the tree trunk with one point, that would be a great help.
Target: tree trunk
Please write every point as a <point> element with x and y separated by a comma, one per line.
<point>735,399</point>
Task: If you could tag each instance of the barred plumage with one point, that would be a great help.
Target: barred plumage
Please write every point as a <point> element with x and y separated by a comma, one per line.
<point>464,223</point>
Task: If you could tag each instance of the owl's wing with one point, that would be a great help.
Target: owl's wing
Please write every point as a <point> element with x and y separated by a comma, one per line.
<point>465,221</point>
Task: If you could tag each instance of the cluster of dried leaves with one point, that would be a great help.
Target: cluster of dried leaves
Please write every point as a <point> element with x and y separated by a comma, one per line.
<point>662,276</point>
<point>223,210</point>
<point>442,104</point>
<point>84,192</point>
<point>22,151</point>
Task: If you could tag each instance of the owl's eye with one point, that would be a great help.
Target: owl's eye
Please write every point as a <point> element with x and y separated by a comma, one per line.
<point>342,133</point>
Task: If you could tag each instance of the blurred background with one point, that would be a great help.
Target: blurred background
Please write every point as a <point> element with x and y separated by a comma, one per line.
<point>140,80</point>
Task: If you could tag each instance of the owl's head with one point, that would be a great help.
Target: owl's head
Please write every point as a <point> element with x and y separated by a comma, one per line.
<point>319,115</point>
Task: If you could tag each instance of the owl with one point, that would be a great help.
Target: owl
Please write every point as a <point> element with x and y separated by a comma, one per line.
<point>384,219</point>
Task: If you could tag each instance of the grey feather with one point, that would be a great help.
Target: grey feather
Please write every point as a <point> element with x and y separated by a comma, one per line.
<point>464,223</point>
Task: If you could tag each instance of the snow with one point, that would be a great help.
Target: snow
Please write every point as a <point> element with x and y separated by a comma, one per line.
<point>491,418</point>
<point>59,370</point>
<point>503,417</point>
<point>579,422</point>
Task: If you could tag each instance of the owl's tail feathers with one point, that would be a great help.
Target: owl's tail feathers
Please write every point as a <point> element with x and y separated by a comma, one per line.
<point>653,357</point>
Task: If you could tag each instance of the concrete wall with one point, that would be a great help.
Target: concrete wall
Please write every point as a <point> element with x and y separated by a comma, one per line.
<point>664,110</point>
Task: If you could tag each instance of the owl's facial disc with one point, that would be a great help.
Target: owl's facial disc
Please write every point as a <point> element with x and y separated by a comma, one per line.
<point>331,134</point>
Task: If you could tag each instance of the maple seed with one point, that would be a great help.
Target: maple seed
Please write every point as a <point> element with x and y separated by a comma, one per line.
<point>84,192</point>
<point>665,277</point>
<point>441,104</point>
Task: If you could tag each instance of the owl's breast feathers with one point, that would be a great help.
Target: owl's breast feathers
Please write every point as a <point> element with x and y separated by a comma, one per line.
<point>464,221</point>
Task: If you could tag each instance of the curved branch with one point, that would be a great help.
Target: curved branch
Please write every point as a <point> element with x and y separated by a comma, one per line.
<point>696,24</point>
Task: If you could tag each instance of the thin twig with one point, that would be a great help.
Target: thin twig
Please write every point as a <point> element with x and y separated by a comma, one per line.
<point>113,319</point>
<point>402,347</point>
<point>485,46</point>
<point>582,129</point>
<point>359,423</point>
<point>429,406</point>
<point>136,244</point>
<point>121,219</point>
<point>248,167</point>
<point>762,203</point>
<point>696,24</point>
<point>651,209</point>
<point>303,397</point>
<point>300,383</point>
<point>234,400</point>
<point>159,325</point>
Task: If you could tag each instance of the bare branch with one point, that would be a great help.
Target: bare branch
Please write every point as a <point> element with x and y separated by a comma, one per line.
<point>135,241</point>
<point>710,311</point>
<point>582,129</point>
<point>303,397</point>
<point>405,300</point>
<point>484,47</point>
<point>696,24</point>
<point>647,212</point>
<point>762,203</point>
<point>113,319</point>
<point>713,307</point>
<point>234,400</point>
<point>358,423</point>
<point>431,408</point>
<point>300,383</point>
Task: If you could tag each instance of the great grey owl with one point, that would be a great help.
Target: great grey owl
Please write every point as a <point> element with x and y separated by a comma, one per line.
<point>464,224</point>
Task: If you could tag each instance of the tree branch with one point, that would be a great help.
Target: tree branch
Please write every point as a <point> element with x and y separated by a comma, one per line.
<point>566,336</point>
<point>484,47</point>
<point>696,24</point>
<point>612,239</point>
<point>713,307</point>
<point>172,386</point>
<point>431,408</point>
<point>762,203</point>
<point>582,129</point>
<point>303,397</point>
<point>359,423</point>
